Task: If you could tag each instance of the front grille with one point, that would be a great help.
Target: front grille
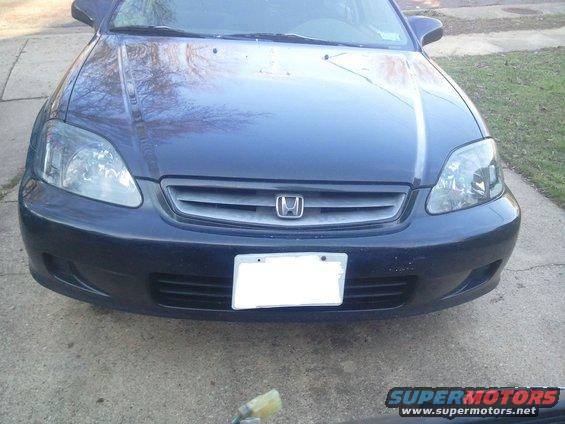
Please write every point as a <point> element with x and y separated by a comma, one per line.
<point>254,203</point>
<point>212,293</point>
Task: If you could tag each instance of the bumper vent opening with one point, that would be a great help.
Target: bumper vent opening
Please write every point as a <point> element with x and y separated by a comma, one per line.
<point>476,278</point>
<point>213,293</point>
<point>66,272</point>
<point>184,291</point>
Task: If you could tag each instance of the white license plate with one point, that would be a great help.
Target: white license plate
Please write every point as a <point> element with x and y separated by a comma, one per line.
<point>288,279</point>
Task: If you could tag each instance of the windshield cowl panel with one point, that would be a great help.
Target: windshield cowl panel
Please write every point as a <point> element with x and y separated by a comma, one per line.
<point>356,23</point>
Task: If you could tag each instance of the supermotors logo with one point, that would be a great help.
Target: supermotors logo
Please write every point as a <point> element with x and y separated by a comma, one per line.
<point>451,402</point>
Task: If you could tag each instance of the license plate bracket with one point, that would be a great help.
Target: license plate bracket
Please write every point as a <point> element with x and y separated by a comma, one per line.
<point>280,280</point>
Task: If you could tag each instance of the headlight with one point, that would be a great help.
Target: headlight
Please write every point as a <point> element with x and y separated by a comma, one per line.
<point>471,176</point>
<point>84,163</point>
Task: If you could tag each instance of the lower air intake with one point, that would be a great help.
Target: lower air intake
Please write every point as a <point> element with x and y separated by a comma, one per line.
<point>212,293</point>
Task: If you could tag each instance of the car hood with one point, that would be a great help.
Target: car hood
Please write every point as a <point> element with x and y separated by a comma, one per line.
<point>262,110</point>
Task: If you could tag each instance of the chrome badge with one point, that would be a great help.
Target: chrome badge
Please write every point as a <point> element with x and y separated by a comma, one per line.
<point>290,207</point>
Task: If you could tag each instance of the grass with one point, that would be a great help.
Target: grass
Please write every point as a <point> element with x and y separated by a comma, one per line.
<point>455,26</point>
<point>522,97</point>
<point>5,189</point>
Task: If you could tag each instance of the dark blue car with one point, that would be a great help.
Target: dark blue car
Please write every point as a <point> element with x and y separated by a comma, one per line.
<point>264,160</point>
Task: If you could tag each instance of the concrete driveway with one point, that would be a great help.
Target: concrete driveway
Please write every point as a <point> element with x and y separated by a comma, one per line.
<point>66,361</point>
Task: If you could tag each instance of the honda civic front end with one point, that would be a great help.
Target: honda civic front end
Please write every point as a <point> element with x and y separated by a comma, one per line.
<point>231,172</point>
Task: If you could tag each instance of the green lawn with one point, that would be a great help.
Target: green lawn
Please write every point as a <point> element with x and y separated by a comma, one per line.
<point>455,26</point>
<point>522,97</point>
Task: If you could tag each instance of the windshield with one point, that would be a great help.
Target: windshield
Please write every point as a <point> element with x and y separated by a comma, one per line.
<point>371,23</point>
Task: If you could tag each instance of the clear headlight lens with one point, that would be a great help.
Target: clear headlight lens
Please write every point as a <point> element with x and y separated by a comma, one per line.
<point>471,176</point>
<point>86,164</point>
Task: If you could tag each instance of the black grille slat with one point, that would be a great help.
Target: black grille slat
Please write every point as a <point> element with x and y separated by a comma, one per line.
<point>192,293</point>
<point>214,293</point>
<point>202,304</point>
<point>254,202</point>
<point>376,285</point>
<point>211,281</point>
<point>201,285</point>
<point>369,302</point>
<point>372,295</point>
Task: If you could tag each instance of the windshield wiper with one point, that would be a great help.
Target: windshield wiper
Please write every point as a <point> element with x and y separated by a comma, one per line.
<point>289,38</point>
<point>160,30</point>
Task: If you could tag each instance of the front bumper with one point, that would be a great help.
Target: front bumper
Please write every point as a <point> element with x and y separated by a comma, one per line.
<point>109,255</point>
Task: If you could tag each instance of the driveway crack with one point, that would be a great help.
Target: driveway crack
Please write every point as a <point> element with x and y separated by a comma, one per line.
<point>12,274</point>
<point>24,98</point>
<point>12,68</point>
<point>535,267</point>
